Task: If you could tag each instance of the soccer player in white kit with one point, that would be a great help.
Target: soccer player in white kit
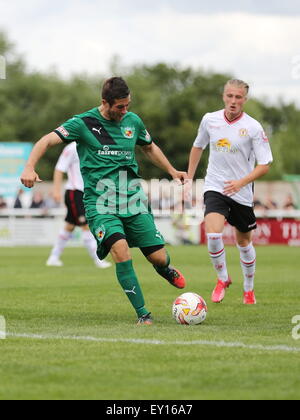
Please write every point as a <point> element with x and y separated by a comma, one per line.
<point>69,163</point>
<point>240,153</point>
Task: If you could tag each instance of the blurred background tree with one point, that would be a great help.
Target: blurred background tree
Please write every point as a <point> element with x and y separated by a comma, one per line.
<point>171,100</point>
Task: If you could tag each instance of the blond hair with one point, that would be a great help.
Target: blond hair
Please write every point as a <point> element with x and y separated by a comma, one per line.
<point>238,83</point>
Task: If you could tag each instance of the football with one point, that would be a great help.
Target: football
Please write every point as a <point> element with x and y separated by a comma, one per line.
<point>189,309</point>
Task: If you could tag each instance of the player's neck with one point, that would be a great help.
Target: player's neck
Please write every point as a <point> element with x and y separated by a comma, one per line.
<point>230,116</point>
<point>103,113</point>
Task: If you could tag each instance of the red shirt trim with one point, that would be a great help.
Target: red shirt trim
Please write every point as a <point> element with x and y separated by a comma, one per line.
<point>235,120</point>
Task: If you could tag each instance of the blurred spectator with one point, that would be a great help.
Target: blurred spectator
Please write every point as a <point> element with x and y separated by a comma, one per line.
<point>289,203</point>
<point>258,205</point>
<point>3,204</point>
<point>270,204</point>
<point>37,201</point>
<point>154,202</point>
<point>166,202</point>
<point>51,203</point>
<point>182,225</point>
<point>18,202</point>
<point>197,204</point>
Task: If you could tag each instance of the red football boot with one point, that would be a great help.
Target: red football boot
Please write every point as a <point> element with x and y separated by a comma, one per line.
<point>219,291</point>
<point>249,298</point>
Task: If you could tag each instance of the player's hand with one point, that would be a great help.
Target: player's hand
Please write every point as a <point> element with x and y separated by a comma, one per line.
<point>180,177</point>
<point>232,187</point>
<point>57,196</point>
<point>29,177</point>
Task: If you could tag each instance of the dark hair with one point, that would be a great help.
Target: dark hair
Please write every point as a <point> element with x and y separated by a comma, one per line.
<point>115,88</point>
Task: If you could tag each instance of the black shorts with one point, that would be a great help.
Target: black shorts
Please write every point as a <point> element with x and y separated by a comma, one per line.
<point>237,215</point>
<point>76,212</point>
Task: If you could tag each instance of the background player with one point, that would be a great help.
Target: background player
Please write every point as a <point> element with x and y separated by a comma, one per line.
<point>236,141</point>
<point>116,207</point>
<point>69,163</point>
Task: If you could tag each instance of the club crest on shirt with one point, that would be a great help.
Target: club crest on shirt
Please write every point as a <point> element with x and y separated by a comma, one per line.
<point>243,132</point>
<point>128,132</point>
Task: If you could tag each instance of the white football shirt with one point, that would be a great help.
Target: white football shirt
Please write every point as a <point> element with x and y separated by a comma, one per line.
<point>235,148</point>
<point>69,164</point>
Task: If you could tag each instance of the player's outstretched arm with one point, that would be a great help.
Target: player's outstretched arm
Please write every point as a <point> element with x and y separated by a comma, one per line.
<point>195,157</point>
<point>157,157</point>
<point>194,160</point>
<point>29,177</point>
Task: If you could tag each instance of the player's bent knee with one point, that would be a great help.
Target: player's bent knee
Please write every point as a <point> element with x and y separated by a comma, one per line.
<point>157,255</point>
<point>243,243</point>
<point>120,251</point>
<point>244,239</point>
<point>149,250</point>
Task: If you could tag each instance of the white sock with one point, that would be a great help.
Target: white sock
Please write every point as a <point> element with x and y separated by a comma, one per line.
<point>217,253</point>
<point>62,240</point>
<point>90,244</point>
<point>248,264</point>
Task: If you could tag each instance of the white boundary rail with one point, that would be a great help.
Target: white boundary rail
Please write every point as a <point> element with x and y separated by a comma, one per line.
<point>27,227</point>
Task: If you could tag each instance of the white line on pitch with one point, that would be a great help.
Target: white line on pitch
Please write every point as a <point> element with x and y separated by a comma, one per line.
<point>221,344</point>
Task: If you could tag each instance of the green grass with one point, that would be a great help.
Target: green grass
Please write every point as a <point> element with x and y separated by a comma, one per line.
<point>81,300</point>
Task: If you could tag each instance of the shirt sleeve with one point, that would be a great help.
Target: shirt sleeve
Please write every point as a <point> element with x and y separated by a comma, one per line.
<point>261,147</point>
<point>65,160</point>
<point>70,130</point>
<point>144,137</point>
<point>202,139</point>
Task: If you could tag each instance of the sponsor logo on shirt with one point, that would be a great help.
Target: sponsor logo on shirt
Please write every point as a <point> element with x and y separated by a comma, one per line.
<point>120,153</point>
<point>63,131</point>
<point>224,143</point>
<point>98,130</point>
<point>224,146</point>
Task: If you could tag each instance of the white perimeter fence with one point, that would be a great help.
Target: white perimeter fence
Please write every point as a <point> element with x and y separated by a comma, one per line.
<point>39,228</point>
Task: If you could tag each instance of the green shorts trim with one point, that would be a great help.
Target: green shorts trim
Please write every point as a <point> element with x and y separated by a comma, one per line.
<point>140,231</point>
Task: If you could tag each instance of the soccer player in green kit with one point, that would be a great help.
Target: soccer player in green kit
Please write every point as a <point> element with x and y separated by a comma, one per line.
<point>116,206</point>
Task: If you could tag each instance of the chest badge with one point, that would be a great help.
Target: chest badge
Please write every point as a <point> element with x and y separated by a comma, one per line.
<point>243,132</point>
<point>128,132</point>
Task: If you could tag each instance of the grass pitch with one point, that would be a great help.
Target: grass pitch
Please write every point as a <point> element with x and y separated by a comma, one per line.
<point>71,332</point>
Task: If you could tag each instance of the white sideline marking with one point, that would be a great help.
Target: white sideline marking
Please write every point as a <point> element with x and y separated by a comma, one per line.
<point>221,344</point>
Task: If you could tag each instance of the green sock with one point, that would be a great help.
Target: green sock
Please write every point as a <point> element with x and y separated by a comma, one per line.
<point>130,284</point>
<point>163,270</point>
